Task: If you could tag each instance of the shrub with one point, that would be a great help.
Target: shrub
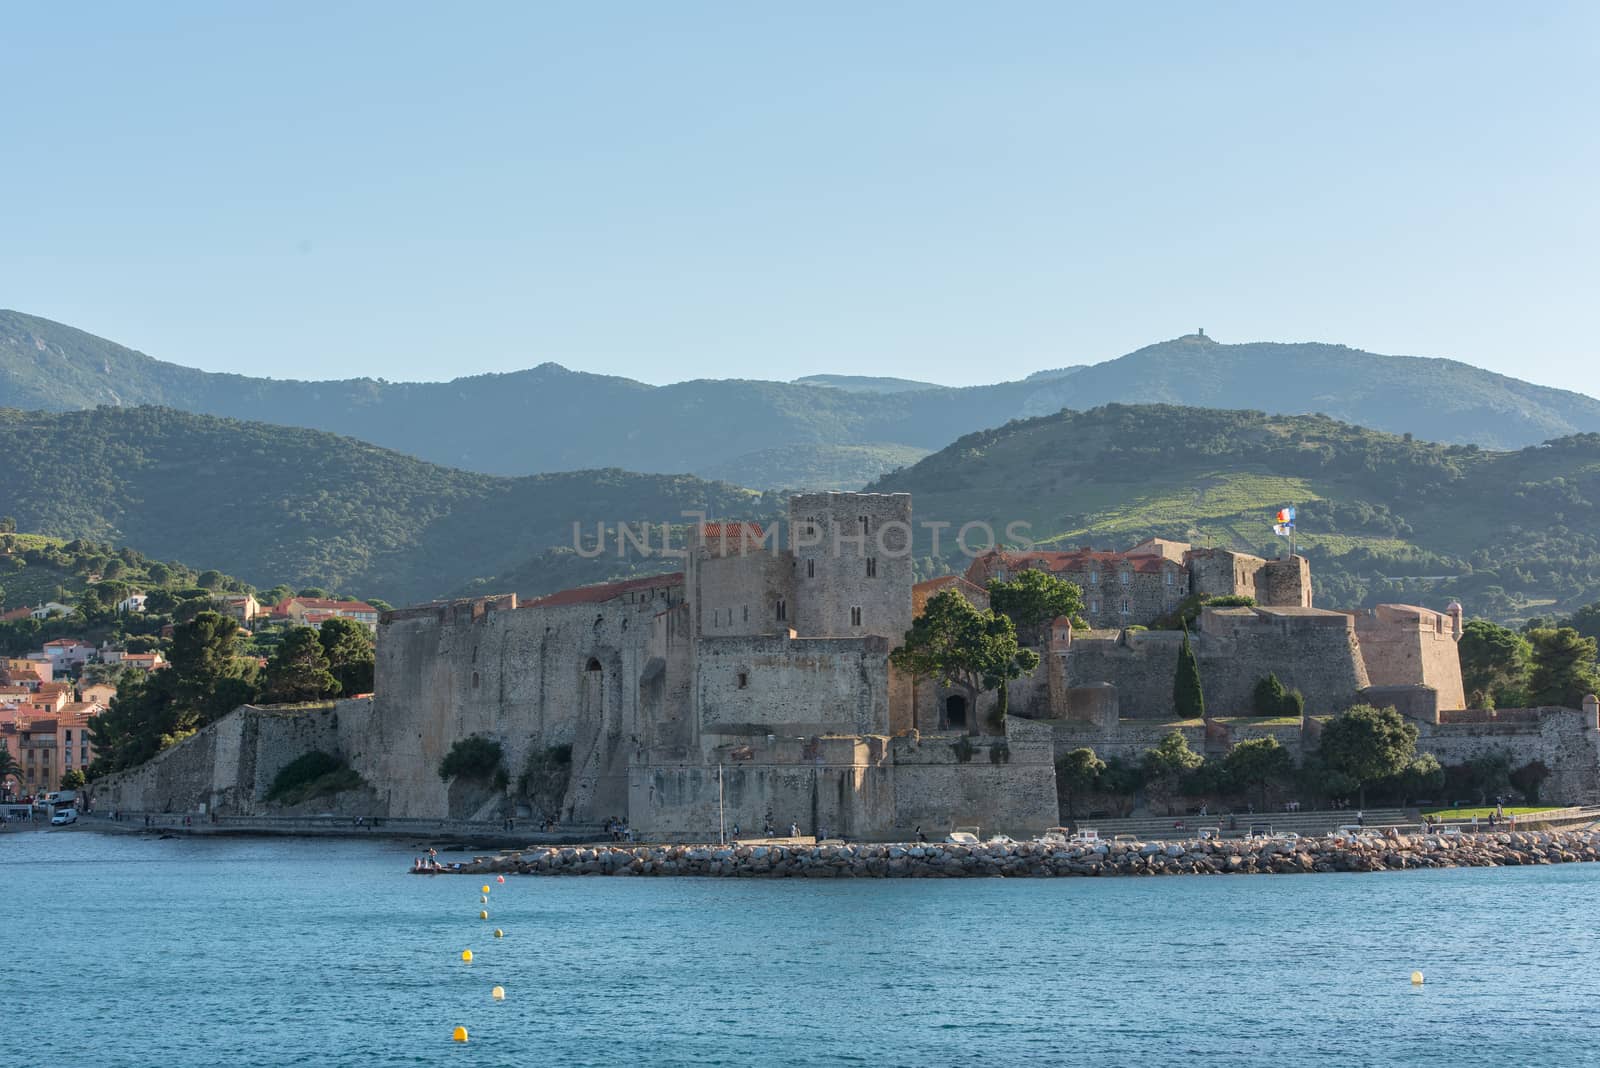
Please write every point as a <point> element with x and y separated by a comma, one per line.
<point>476,757</point>
<point>316,774</point>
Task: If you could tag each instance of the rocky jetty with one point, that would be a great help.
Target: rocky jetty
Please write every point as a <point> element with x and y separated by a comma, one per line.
<point>1274,856</point>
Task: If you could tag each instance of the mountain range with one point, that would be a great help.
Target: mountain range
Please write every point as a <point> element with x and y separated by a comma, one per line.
<point>824,431</point>
<point>1510,533</point>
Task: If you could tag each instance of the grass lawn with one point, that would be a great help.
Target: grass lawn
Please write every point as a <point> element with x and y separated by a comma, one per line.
<point>1483,813</point>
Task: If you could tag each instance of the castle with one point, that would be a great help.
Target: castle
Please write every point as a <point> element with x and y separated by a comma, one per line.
<point>755,688</point>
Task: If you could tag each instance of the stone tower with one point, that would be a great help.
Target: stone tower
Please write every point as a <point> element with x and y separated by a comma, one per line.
<point>852,564</point>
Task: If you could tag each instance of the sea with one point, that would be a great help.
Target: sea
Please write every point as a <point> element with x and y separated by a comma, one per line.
<point>130,950</point>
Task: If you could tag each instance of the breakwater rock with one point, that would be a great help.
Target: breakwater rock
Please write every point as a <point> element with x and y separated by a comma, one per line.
<point>1275,856</point>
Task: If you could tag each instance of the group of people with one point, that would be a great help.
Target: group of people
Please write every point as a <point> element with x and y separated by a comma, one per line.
<point>431,863</point>
<point>619,830</point>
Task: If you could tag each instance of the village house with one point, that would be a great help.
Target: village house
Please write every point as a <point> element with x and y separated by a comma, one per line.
<point>67,653</point>
<point>133,603</point>
<point>313,611</point>
<point>241,607</point>
<point>51,608</point>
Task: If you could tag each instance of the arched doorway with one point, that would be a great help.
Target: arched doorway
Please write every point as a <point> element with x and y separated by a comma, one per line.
<point>955,710</point>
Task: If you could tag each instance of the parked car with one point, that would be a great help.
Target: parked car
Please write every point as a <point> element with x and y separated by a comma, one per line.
<point>1125,838</point>
<point>1002,839</point>
<point>63,817</point>
<point>962,838</point>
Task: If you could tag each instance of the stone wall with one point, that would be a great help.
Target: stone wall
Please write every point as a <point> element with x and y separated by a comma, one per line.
<point>793,686</point>
<point>229,767</point>
<point>1403,645</point>
<point>530,678</point>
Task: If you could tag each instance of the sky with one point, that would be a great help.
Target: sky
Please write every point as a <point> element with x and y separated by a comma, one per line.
<point>956,193</point>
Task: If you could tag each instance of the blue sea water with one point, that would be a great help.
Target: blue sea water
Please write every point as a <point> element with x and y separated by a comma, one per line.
<point>136,951</point>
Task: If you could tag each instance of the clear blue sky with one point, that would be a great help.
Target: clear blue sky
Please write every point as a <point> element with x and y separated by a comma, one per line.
<point>954,192</point>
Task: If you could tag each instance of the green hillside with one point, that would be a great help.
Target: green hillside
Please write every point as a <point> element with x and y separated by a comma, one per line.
<point>782,434</point>
<point>273,504</point>
<point>1381,517</point>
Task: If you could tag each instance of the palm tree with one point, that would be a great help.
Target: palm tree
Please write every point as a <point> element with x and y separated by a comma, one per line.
<point>9,768</point>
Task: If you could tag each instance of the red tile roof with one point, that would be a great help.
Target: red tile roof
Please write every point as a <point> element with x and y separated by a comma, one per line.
<point>606,591</point>
<point>323,604</point>
<point>731,530</point>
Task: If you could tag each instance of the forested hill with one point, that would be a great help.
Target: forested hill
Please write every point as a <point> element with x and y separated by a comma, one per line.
<point>830,431</point>
<point>1382,518</point>
<point>273,504</point>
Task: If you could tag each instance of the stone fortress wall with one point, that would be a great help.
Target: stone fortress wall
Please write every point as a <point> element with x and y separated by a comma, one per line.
<point>755,686</point>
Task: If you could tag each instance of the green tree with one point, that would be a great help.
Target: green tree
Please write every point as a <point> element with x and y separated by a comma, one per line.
<point>1259,763</point>
<point>73,779</point>
<point>9,769</point>
<point>959,645</point>
<point>1528,779</point>
<point>475,757</point>
<point>1033,598</point>
<point>211,677</point>
<point>298,671</point>
<point>8,525</point>
<point>1122,779</point>
<point>1367,744</point>
<point>1423,777</point>
<point>1563,667</point>
<point>210,580</point>
<point>1188,699</point>
<point>1168,764</point>
<point>1586,621</point>
<point>1494,664</point>
<point>348,647</point>
<point>1271,698</point>
<point>1077,773</point>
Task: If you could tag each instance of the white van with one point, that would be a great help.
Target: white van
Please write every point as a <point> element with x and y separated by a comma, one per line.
<point>63,817</point>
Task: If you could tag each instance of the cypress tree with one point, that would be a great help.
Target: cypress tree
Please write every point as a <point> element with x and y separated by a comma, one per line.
<point>1187,699</point>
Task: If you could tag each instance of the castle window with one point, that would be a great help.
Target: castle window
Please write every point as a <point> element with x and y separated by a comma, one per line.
<point>811,569</point>
<point>855,615</point>
<point>1124,606</point>
<point>1127,577</point>
<point>744,681</point>
<point>1094,605</point>
<point>746,613</point>
<point>1094,578</point>
<point>872,567</point>
<point>811,526</point>
<point>783,610</point>
<point>863,523</point>
<point>1169,577</point>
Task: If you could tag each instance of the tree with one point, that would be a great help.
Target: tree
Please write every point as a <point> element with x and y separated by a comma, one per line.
<point>1188,699</point>
<point>8,525</point>
<point>1122,779</point>
<point>348,647</point>
<point>210,580</point>
<point>1076,774</point>
<point>1271,698</point>
<point>1423,777</point>
<point>476,757</point>
<point>1167,765</point>
<point>1563,667</point>
<point>1494,664</point>
<point>73,779</point>
<point>211,678</point>
<point>1368,744</point>
<point>9,769</point>
<point>1529,778</point>
<point>1259,763</point>
<point>960,645</point>
<point>298,671</point>
<point>1032,598</point>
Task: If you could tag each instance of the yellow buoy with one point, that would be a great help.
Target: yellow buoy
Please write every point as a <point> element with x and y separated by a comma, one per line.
<point>498,993</point>
<point>459,1034</point>
<point>486,889</point>
<point>499,878</point>
<point>466,955</point>
<point>1416,978</point>
<point>483,914</point>
<point>499,933</point>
